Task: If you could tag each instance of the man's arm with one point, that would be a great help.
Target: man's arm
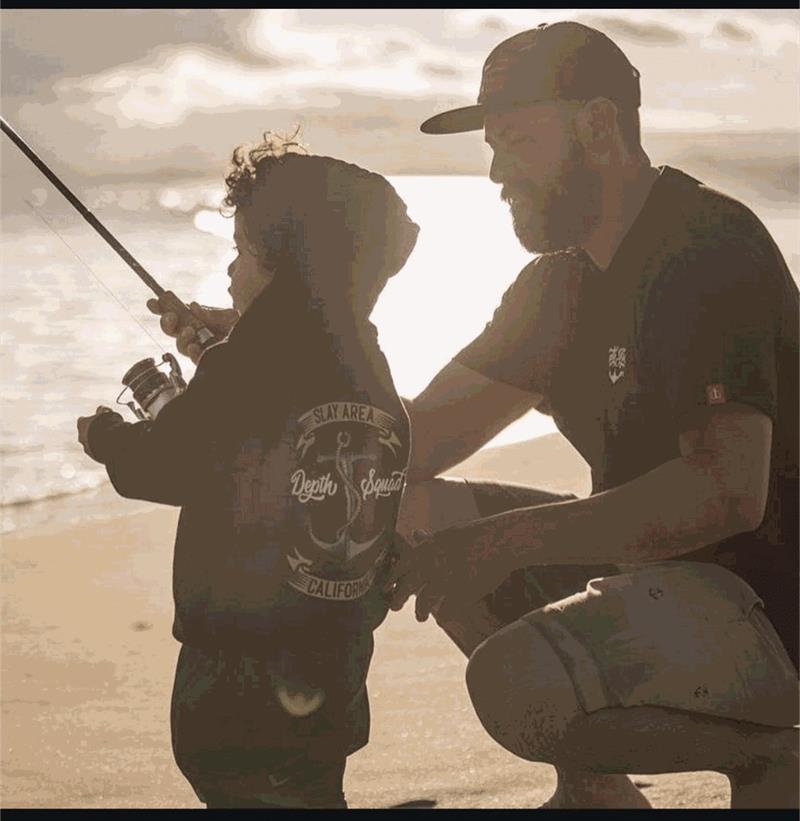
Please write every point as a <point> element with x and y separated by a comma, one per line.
<point>715,489</point>
<point>501,374</point>
<point>729,295</point>
<point>458,413</point>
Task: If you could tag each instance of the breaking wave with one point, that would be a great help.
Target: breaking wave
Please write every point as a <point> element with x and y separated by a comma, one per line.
<point>21,496</point>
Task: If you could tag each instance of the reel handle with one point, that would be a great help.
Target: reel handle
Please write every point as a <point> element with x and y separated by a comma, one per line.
<point>171,302</point>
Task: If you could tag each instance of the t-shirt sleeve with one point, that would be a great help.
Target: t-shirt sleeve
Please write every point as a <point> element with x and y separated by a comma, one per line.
<point>530,327</point>
<point>716,321</point>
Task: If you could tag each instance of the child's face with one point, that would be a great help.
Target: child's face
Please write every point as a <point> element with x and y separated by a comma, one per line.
<point>248,275</point>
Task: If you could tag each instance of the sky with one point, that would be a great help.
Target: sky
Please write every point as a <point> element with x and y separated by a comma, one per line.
<point>126,93</point>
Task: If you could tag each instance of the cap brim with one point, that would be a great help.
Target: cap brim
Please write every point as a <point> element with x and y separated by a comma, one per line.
<point>456,121</point>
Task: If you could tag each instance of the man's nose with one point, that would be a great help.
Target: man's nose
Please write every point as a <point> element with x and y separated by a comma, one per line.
<point>498,168</point>
<point>231,269</point>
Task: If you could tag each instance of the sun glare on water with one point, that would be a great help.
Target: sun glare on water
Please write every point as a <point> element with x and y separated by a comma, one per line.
<point>466,257</point>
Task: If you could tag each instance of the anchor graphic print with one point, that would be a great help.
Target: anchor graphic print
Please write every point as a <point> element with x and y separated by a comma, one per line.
<point>350,474</point>
<point>345,547</point>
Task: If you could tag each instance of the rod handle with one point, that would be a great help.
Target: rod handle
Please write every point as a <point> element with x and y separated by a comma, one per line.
<point>171,302</point>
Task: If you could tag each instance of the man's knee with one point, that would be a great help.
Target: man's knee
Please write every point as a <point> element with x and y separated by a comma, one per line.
<point>521,692</point>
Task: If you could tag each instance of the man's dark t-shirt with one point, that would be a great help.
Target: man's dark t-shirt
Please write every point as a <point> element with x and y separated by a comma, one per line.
<point>697,308</point>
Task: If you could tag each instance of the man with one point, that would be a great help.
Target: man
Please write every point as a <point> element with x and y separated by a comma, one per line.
<point>645,628</point>
<point>287,455</point>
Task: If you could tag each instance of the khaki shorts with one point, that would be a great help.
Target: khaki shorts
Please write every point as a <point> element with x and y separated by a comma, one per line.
<point>686,635</point>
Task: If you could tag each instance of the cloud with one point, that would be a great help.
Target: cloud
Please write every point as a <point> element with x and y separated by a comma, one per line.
<point>38,46</point>
<point>164,91</point>
<point>23,71</point>
<point>392,47</point>
<point>767,30</point>
<point>495,25</point>
<point>376,131</point>
<point>281,64</point>
<point>731,31</point>
<point>176,94</point>
<point>640,32</point>
<point>441,70</point>
<point>474,22</point>
<point>281,34</point>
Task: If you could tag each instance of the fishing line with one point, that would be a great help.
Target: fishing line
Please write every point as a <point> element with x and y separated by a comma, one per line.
<point>89,269</point>
<point>168,300</point>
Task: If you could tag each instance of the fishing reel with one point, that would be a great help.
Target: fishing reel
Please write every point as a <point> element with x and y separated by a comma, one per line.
<point>151,387</point>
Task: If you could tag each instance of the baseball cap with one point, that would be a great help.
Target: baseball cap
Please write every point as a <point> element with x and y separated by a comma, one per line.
<point>554,61</point>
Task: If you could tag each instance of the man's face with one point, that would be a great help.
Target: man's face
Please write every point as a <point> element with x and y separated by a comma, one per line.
<point>539,161</point>
<point>248,275</point>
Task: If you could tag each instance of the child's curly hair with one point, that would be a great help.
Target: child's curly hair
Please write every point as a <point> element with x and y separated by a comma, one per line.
<point>241,178</point>
<point>313,212</point>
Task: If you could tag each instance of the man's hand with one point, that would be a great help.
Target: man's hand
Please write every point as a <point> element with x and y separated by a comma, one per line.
<point>414,515</point>
<point>447,571</point>
<point>219,321</point>
<point>84,423</point>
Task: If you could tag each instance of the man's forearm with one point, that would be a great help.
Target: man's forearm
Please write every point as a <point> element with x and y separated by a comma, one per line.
<point>670,511</point>
<point>432,451</point>
<point>456,415</point>
<point>430,459</point>
<point>442,437</point>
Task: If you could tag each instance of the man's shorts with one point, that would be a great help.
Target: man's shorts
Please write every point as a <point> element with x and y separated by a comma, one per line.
<point>686,635</point>
<point>239,747</point>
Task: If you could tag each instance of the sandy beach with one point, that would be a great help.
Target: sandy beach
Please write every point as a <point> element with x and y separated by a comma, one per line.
<point>88,659</point>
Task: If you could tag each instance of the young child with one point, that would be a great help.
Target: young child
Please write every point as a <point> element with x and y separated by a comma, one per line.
<point>287,455</point>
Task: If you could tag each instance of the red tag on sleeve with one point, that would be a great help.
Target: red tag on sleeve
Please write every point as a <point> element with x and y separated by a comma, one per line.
<point>715,394</point>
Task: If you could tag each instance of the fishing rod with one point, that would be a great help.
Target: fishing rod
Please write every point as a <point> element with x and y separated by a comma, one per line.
<point>151,388</point>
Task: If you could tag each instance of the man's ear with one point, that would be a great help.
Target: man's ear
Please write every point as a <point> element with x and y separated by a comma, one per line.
<point>596,126</point>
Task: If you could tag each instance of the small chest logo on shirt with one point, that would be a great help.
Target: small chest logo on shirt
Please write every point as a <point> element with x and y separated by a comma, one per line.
<point>715,394</point>
<point>617,358</point>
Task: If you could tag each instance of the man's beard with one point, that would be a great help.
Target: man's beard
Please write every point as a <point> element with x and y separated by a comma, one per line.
<point>560,215</point>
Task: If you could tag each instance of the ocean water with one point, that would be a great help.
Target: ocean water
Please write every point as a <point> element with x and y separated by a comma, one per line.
<point>74,316</point>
